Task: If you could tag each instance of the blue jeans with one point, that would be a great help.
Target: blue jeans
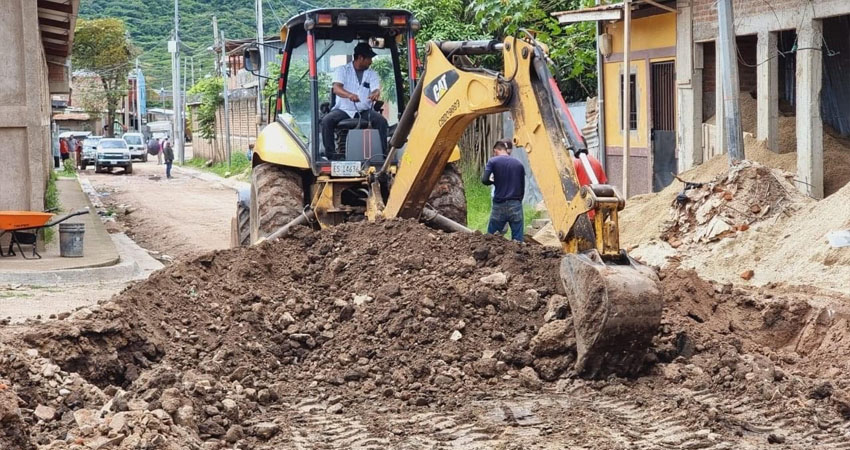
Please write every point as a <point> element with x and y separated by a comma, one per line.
<point>168,169</point>
<point>510,212</point>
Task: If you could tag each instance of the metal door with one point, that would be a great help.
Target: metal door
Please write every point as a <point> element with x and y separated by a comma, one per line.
<point>663,134</point>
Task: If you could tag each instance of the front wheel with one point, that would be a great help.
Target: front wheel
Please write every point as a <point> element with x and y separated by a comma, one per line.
<point>277,197</point>
<point>145,157</point>
<point>129,169</point>
<point>241,231</point>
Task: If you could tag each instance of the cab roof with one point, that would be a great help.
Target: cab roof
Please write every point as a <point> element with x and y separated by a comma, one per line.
<point>356,16</point>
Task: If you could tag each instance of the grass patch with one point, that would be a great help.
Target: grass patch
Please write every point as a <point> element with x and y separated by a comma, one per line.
<point>479,202</point>
<point>68,169</point>
<point>239,164</point>
<point>51,201</point>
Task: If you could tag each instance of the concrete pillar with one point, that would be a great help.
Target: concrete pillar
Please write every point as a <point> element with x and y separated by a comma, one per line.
<point>768,90</point>
<point>719,116</point>
<point>809,124</point>
<point>689,85</point>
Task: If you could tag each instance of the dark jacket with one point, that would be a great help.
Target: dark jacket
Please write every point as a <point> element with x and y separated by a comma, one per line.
<point>168,152</point>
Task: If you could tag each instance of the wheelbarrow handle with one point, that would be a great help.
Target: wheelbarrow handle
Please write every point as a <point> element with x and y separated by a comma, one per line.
<point>78,212</point>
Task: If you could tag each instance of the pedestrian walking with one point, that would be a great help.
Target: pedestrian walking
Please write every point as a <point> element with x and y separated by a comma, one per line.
<point>168,153</point>
<point>508,175</point>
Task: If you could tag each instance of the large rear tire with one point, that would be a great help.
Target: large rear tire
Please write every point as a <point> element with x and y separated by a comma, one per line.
<point>277,197</point>
<point>449,197</point>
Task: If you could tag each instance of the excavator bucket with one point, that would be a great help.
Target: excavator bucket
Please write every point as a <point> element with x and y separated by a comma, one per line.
<point>616,311</point>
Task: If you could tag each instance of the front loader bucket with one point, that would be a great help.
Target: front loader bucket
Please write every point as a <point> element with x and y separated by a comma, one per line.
<point>616,311</point>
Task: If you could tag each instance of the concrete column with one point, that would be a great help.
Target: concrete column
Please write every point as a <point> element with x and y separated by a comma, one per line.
<point>719,116</point>
<point>689,85</point>
<point>768,90</point>
<point>809,124</point>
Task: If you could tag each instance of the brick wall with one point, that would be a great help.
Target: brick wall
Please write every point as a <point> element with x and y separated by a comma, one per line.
<point>747,71</point>
<point>243,131</point>
<point>705,12</point>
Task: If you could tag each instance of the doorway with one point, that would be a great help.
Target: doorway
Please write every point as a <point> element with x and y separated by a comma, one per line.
<point>663,132</point>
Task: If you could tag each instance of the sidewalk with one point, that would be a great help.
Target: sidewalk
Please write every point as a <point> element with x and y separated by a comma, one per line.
<point>234,184</point>
<point>106,257</point>
<point>98,248</point>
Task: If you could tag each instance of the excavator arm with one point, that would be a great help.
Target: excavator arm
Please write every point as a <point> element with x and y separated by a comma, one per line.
<point>615,302</point>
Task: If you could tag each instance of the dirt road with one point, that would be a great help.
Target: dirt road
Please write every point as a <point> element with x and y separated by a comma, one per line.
<point>179,217</point>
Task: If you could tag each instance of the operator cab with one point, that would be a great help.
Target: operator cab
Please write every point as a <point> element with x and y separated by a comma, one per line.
<point>317,43</point>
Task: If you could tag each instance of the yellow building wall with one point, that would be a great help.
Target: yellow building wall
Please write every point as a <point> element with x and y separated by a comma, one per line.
<point>656,31</point>
<point>613,94</point>
<point>648,33</point>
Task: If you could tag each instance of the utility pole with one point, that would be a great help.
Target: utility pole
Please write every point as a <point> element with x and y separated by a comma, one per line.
<point>734,134</point>
<point>262,72</point>
<point>225,77</point>
<point>215,39</point>
<point>175,86</point>
<point>627,93</point>
<point>192,59</point>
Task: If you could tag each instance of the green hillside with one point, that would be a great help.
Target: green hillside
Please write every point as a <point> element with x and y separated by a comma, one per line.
<point>150,23</point>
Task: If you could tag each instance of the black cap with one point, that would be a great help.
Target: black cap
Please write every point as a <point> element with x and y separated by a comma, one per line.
<point>364,49</point>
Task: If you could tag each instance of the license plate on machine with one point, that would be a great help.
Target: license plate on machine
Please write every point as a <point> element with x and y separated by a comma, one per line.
<point>345,168</point>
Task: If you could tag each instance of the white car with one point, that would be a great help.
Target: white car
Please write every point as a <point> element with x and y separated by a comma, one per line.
<point>90,151</point>
<point>136,144</point>
<point>113,152</point>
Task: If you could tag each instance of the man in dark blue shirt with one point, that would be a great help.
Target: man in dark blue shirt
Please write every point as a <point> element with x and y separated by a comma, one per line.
<point>508,174</point>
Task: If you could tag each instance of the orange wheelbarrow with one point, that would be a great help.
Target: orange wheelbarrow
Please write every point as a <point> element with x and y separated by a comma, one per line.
<point>24,225</point>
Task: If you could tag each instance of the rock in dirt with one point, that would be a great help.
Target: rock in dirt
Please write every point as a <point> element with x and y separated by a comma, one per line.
<point>557,308</point>
<point>822,391</point>
<point>554,338</point>
<point>529,379</point>
<point>494,279</point>
<point>775,438</point>
<point>265,430</point>
<point>45,412</point>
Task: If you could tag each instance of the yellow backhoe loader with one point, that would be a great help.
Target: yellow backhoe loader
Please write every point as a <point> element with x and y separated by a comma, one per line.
<point>297,180</point>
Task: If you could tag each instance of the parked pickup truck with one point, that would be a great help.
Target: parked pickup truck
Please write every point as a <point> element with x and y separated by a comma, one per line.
<point>136,144</point>
<point>113,152</point>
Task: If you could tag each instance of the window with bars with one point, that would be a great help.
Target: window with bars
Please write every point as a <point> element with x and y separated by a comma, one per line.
<point>632,102</point>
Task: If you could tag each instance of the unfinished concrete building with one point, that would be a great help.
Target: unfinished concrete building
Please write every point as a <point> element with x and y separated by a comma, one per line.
<point>793,60</point>
<point>36,42</point>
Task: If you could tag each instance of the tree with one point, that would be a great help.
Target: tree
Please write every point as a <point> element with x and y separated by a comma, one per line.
<point>571,48</point>
<point>101,46</point>
<point>442,20</point>
<point>88,93</point>
<point>210,90</point>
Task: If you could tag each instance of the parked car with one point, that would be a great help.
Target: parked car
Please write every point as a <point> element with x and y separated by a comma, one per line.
<point>136,144</point>
<point>90,151</point>
<point>113,152</point>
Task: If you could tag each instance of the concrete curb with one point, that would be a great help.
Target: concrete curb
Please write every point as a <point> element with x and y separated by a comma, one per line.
<point>135,264</point>
<point>236,185</point>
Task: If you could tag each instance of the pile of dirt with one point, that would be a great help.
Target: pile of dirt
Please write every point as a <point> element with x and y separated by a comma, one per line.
<point>747,194</point>
<point>214,352</point>
<point>727,240</point>
<point>645,215</point>
<point>453,313</point>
